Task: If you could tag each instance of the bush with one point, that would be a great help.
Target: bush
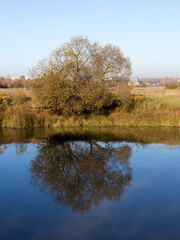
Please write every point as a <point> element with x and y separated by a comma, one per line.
<point>123,97</point>
<point>172,86</point>
<point>4,102</point>
<point>20,98</point>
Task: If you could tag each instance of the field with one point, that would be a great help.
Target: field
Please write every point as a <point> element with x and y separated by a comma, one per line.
<point>155,91</point>
<point>20,96</point>
<point>146,97</point>
<point>153,106</point>
<point>160,96</point>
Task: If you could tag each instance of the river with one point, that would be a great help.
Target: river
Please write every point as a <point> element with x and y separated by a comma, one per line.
<point>90,183</point>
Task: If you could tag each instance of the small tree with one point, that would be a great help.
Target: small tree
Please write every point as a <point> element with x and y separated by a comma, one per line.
<point>71,79</point>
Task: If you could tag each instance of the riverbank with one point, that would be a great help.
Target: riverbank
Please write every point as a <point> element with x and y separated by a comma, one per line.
<point>20,117</point>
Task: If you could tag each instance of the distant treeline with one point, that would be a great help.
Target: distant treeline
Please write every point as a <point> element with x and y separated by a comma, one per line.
<point>163,81</point>
<point>20,82</point>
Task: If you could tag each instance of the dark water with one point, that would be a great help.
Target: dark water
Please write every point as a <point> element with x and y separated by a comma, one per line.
<point>108,183</point>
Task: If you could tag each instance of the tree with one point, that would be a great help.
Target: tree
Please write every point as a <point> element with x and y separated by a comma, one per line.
<point>72,79</point>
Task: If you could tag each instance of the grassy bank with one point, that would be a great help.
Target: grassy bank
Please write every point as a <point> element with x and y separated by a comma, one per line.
<point>27,118</point>
<point>152,107</point>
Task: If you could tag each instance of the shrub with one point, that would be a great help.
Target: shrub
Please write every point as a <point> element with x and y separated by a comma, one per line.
<point>123,97</point>
<point>172,86</point>
<point>20,98</point>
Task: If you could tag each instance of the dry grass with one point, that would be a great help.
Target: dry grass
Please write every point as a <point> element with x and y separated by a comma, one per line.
<point>155,91</point>
<point>19,117</point>
<point>10,92</point>
<point>154,106</point>
<point>158,97</point>
<point>16,93</point>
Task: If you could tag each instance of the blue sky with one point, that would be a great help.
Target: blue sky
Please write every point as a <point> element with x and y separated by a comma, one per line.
<point>147,31</point>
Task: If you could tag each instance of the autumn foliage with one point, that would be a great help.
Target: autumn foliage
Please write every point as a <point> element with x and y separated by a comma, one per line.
<point>72,80</point>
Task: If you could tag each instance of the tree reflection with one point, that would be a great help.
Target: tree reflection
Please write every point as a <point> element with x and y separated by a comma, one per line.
<point>2,149</point>
<point>80,174</point>
<point>21,148</point>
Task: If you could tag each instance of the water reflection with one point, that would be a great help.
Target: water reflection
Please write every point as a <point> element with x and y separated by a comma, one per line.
<point>79,168</point>
<point>3,149</point>
<point>80,174</point>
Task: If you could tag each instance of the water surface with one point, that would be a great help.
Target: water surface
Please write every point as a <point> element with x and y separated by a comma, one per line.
<point>98,183</point>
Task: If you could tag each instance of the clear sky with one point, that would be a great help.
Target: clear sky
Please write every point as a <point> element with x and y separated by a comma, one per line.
<point>147,31</point>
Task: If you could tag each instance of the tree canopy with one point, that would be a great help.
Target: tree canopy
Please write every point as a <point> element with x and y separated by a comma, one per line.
<point>72,79</point>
